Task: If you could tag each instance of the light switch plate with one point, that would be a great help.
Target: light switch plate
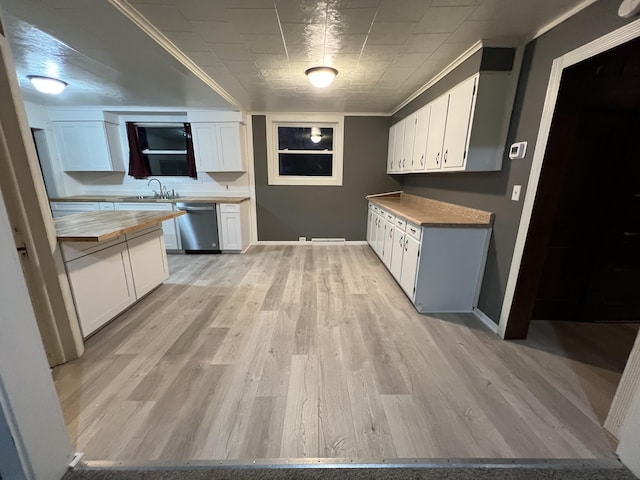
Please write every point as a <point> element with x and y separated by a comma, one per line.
<point>515,196</point>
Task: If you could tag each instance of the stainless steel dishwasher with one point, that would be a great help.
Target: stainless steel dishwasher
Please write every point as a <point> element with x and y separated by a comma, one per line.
<point>199,228</point>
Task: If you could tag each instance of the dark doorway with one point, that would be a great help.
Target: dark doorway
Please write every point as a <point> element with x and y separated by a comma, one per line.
<point>582,255</point>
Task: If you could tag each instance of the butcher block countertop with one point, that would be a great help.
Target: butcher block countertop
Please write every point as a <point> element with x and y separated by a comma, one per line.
<point>431,213</point>
<point>106,225</point>
<point>133,198</point>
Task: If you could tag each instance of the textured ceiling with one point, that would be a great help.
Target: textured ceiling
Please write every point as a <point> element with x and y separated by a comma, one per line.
<point>258,50</point>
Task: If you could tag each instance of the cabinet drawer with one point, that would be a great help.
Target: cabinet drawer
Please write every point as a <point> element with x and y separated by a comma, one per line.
<point>230,208</point>
<point>390,217</point>
<point>401,224</point>
<point>107,206</point>
<point>414,230</point>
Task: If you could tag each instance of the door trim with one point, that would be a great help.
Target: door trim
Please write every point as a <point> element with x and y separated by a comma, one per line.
<point>617,37</point>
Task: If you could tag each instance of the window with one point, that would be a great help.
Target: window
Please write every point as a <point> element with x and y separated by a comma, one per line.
<point>160,149</point>
<point>304,149</point>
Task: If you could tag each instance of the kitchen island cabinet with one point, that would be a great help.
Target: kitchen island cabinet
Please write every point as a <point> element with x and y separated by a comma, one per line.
<point>112,260</point>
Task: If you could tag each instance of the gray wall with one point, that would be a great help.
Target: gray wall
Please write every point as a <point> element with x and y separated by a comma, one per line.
<point>492,190</point>
<point>286,212</point>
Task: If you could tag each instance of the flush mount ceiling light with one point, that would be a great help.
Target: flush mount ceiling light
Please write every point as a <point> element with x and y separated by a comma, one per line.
<point>321,76</point>
<point>49,85</point>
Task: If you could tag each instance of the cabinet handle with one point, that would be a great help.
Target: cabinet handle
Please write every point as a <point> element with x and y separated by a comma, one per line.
<point>422,160</point>
<point>446,152</point>
<point>401,238</point>
<point>438,159</point>
<point>413,230</point>
<point>406,245</point>
<point>391,233</point>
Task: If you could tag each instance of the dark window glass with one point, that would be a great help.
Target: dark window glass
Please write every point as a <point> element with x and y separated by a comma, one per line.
<point>299,138</point>
<point>162,138</point>
<point>172,165</point>
<point>301,164</point>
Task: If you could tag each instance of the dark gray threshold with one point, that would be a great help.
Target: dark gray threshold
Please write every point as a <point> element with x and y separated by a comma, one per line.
<point>330,469</point>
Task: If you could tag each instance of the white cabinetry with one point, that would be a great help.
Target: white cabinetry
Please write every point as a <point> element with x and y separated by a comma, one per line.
<point>171,237</point>
<point>108,277</point>
<point>60,209</point>
<point>462,130</point>
<point>88,146</point>
<point>218,146</point>
<point>387,240</point>
<point>102,285</point>
<point>148,260</point>
<point>233,226</point>
<point>420,139</point>
<point>439,268</point>
<point>409,137</point>
<point>398,148</point>
<point>435,137</point>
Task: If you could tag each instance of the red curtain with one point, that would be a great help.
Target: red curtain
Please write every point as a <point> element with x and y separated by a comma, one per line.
<point>138,166</point>
<point>191,158</point>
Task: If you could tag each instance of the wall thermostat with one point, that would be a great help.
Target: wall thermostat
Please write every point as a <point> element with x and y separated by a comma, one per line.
<point>518,150</point>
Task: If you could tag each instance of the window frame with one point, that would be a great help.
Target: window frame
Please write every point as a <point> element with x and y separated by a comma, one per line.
<point>336,122</point>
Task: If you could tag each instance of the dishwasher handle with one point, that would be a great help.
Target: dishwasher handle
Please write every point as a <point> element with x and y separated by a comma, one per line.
<point>195,209</point>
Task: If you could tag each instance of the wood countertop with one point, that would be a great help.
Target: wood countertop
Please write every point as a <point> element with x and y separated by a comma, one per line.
<point>135,199</point>
<point>100,226</point>
<point>431,213</point>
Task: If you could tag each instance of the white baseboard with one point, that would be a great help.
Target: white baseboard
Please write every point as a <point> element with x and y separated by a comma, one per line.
<point>316,243</point>
<point>490,324</point>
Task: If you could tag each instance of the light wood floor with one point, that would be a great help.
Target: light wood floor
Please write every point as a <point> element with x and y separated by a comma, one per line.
<point>289,352</point>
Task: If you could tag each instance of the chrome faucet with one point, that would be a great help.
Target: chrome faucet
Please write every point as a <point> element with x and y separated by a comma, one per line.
<point>158,195</point>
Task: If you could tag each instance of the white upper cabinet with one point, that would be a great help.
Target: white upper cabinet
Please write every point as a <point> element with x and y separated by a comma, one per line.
<point>88,146</point>
<point>409,137</point>
<point>435,137</point>
<point>392,144</point>
<point>420,139</point>
<point>459,116</point>
<point>218,147</point>
<point>463,130</point>
<point>398,148</point>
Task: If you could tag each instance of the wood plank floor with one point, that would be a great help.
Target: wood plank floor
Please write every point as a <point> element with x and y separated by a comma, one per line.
<point>290,352</point>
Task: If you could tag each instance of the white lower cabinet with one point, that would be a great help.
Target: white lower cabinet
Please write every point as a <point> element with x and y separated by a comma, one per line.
<point>169,228</point>
<point>102,285</point>
<point>233,226</point>
<point>439,268</point>
<point>148,261</point>
<point>60,209</point>
<point>410,254</point>
<point>108,277</point>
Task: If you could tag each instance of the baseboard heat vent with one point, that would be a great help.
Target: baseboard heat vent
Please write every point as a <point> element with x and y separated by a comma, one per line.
<point>328,241</point>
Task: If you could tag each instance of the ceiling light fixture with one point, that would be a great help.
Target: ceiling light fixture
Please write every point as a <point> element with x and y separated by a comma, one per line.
<point>49,85</point>
<point>321,77</point>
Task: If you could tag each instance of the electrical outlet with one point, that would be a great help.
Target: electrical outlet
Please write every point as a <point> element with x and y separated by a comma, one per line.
<point>515,196</point>
<point>302,239</point>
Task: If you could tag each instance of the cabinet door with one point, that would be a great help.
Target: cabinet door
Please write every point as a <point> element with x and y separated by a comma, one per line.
<point>458,120</point>
<point>82,146</point>
<point>390,149</point>
<point>420,141</point>
<point>61,209</point>
<point>387,244</point>
<point>435,136</point>
<point>397,253</point>
<point>409,138</point>
<point>102,286</point>
<point>205,147</point>
<point>229,148</point>
<point>169,227</point>
<point>148,261</point>
<point>370,225</point>
<point>379,235</point>
<point>409,265</point>
<point>398,147</point>
<point>230,231</point>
